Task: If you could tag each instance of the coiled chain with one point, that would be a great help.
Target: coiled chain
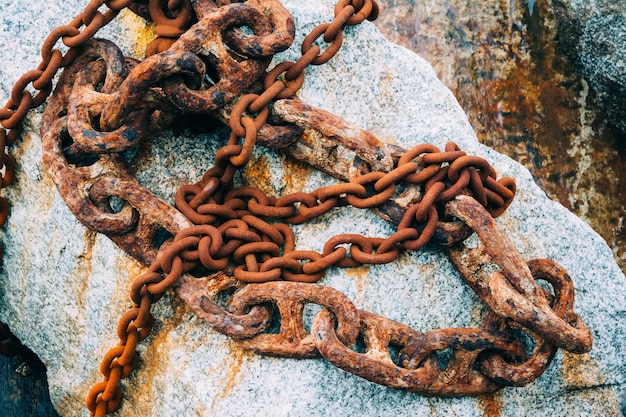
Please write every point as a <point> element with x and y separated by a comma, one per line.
<point>240,239</point>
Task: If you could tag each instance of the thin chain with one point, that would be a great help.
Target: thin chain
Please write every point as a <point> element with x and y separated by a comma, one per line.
<point>243,231</point>
<point>136,324</point>
<point>21,101</point>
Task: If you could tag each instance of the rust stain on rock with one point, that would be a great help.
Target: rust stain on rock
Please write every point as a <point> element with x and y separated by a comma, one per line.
<point>42,189</point>
<point>524,98</point>
<point>83,267</point>
<point>154,360</point>
<point>257,174</point>
<point>142,31</point>
<point>359,273</point>
<point>236,360</point>
<point>580,371</point>
<point>491,405</point>
<point>296,175</point>
<point>234,365</point>
<point>131,269</point>
<point>19,147</point>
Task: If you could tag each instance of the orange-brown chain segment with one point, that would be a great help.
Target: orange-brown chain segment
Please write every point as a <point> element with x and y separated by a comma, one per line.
<point>217,227</point>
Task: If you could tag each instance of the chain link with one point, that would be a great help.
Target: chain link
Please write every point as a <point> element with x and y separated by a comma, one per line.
<point>21,101</point>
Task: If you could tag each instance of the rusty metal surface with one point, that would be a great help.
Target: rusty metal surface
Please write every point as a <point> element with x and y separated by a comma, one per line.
<point>240,239</point>
<point>511,291</point>
<point>417,367</point>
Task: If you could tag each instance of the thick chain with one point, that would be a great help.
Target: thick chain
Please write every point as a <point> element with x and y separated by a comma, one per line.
<point>200,62</point>
<point>79,31</point>
<point>73,35</point>
<point>21,100</point>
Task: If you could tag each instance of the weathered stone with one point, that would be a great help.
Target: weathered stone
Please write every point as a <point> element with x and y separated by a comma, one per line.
<point>62,288</point>
<point>511,66</point>
<point>603,51</point>
<point>593,34</point>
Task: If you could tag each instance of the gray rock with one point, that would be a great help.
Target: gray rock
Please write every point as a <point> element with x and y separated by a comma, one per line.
<point>63,288</point>
<point>604,49</point>
<point>592,33</point>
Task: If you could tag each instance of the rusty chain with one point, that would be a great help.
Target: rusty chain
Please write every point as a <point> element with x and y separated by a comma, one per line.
<point>80,30</point>
<point>240,239</point>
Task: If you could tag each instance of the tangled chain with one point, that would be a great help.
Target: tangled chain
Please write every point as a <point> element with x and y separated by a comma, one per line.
<point>203,63</point>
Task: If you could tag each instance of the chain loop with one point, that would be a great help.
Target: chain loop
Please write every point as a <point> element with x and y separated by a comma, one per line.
<point>204,61</point>
<point>331,51</point>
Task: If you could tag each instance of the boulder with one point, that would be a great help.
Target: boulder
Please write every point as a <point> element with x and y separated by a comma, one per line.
<point>592,33</point>
<point>63,287</point>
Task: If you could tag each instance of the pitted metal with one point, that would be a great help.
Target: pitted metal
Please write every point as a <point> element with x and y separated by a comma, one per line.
<point>240,239</point>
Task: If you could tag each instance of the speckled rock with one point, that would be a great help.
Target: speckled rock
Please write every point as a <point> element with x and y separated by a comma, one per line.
<point>604,48</point>
<point>593,32</point>
<point>62,288</point>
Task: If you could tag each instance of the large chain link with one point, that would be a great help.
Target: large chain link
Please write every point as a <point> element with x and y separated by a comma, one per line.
<point>203,63</point>
<point>79,31</point>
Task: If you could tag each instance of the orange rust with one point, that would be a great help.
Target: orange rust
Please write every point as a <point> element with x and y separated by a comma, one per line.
<point>153,359</point>
<point>524,98</point>
<point>296,174</point>
<point>359,274</point>
<point>236,359</point>
<point>257,174</point>
<point>580,371</point>
<point>167,269</point>
<point>21,145</point>
<point>83,267</point>
<point>131,268</point>
<point>234,366</point>
<point>142,31</point>
<point>491,405</point>
<point>310,136</point>
<point>547,320</point>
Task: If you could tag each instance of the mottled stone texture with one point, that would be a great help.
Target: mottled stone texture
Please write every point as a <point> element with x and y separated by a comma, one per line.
<point>514,67</point>
<point>62,288</point>
<point>594,35</point>
<point>603,52</point>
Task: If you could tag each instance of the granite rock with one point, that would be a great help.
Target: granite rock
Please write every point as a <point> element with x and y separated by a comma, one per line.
<point>592,32</point>
<point>62,287</point>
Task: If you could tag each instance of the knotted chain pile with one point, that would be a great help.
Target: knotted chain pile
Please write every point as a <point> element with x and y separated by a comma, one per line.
<point>203,62</point>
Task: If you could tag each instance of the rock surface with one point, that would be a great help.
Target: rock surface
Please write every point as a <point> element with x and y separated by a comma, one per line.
<point>62,288</point>
<point>510,65</point>
<point>593,32</point>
